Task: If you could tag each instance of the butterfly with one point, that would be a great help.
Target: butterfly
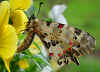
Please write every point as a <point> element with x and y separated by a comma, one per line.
<point>64,44</point>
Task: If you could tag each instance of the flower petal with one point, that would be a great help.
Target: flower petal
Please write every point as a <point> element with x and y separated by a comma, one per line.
<point>23,64</point>
<point>19,20</point>
<point>8,44</point>
<point>4,14</point>
<point>20,4</point>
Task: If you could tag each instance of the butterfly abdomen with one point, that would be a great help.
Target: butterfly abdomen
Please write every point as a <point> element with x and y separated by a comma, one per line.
<point>30,32</point>
<point>27,42</point>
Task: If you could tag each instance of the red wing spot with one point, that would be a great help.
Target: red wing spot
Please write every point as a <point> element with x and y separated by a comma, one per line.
<point>70,42</point>
<point>60,26</point>
<point>70,49</point>
<point>64,51</point>
<point>59,54</point>
<point>51,54</point>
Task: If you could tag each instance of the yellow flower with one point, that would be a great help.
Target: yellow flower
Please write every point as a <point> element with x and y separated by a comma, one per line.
<point>17,13</point>
<point>23,64</point>
<point>20,4</point>
<point>19,20</point>
<point>8,37</point>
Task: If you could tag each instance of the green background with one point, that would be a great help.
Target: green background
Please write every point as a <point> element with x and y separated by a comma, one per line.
<point>84,14</point>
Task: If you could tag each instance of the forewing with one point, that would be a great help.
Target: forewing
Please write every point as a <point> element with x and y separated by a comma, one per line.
<point>65,43</point>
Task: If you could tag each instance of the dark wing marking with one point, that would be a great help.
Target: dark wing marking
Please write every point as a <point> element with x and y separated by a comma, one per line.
<point>65,43</point>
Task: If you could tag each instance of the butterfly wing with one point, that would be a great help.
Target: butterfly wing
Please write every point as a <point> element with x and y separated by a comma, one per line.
<point>64,43</point>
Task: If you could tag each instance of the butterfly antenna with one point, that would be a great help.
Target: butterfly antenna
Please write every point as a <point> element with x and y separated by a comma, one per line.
<point>41,3</point>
